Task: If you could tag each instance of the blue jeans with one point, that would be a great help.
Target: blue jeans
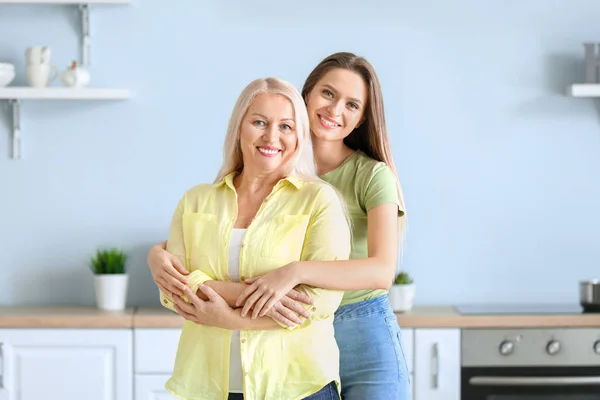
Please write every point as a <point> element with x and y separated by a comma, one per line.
<point>372,362</point>
<point>328,392</point>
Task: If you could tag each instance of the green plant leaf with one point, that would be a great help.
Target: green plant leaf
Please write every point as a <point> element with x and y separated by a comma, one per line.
<point>403,278</point>
<point>109,261</point>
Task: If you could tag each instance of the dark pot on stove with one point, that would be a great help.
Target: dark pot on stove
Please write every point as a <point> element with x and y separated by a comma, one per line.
<point>589,295</point>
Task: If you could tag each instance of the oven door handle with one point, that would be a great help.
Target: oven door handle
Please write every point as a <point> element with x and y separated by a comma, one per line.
<point>534,380</point>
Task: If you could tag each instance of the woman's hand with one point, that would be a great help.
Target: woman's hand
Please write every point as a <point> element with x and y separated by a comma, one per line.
<point>287,310</point>
<point>167,271</point>
<point>214,312</point>
<point>266,291</point>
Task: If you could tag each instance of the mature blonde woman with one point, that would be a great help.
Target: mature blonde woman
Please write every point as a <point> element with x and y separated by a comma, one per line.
<point>265,209</point>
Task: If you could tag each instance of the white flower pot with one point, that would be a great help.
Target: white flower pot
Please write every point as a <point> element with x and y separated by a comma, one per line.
<point>111,291</point>
<point>402,297</point>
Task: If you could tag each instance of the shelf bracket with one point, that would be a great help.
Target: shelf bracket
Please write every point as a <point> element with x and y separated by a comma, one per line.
<point>16,128</point>
<point>86,45</point>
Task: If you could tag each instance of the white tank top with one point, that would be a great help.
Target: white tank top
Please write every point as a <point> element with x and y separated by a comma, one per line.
<point>236,380</point>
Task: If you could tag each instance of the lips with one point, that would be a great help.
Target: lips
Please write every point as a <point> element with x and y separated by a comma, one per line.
<point>328,122</point>
<point>268,151</point>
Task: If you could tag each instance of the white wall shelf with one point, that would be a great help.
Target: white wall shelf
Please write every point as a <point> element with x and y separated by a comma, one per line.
<point>584,90</point>
<point>66,93</point>
<point>15,95</point>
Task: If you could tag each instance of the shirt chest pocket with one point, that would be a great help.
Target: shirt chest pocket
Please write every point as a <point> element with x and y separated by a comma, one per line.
<point>201,236</point>
<point>285,237</point>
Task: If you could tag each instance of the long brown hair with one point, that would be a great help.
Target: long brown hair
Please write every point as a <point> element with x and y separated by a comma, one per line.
<point>371,135</point>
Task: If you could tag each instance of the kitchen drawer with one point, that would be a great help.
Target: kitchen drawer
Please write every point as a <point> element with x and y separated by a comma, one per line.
<point>155,350</point>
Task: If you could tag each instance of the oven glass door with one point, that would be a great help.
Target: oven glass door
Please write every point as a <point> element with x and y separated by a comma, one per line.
<point>531,383</point>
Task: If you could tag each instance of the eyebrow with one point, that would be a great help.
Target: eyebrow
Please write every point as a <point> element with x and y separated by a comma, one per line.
<point>283,119</point>
<point>351,98</point>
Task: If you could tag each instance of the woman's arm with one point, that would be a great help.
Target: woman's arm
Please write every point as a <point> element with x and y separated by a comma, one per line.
<point>374,272</point>
<point>327,238</point>
<point>216,312</point>
<point>168,267</point>
<point>171,276</point>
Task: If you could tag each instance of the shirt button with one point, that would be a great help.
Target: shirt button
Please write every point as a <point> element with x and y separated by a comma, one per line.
<point>243,244</point>
<point>165,301</point>
<point>313,308</point>
<point>243,340</point>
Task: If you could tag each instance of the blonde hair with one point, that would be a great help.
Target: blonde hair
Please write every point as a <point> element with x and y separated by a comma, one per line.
<point>371,135</point>
<point>302,164</point>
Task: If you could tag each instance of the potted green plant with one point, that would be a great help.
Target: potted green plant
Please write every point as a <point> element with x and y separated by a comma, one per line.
<point>402,292</point>
<point>110,278</point>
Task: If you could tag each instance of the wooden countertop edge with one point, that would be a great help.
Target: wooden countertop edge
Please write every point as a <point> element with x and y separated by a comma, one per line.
<point>71,322</point>
<point>160,318</point>
<point>416,320</point>
<point>65,317</point>
<point>496,321</point>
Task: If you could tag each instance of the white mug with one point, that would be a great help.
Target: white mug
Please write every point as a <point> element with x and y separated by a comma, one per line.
<point>38,76</point>
<point>37,55</point>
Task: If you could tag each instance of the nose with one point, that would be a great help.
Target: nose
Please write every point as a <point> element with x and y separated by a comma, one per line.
<point>335,108</point>
<point>271,134</point>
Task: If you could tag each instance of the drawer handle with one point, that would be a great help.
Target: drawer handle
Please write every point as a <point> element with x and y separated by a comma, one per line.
<point>435,366</point>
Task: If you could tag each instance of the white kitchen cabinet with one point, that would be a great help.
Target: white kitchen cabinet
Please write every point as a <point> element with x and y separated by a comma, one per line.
<point>437,364</point>
<point>66,364</point>
<point>152,387</point>
<point>155,350</point>
<point>154,358</point>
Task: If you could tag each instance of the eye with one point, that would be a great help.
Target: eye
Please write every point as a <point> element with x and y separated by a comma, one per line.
<point>327,93</point>
<point>259,123</point>
<point>286,127</point>
<point>353,105</point>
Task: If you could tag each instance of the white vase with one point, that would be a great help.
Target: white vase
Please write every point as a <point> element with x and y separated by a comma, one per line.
<point>111,291</point>
<point>402,297</point>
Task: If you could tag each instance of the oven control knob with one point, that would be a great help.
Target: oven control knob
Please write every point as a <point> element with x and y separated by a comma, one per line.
<point>506,347</point>
<point>597,347</point>
<point>553,347</point>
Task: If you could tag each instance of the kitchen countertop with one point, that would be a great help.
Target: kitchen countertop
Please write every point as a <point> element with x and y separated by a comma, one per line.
<point>158,317</point>
<point>418,317</point>
<point>64,317</point>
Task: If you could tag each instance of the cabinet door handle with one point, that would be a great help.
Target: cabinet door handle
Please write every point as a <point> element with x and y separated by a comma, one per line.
<point>435,366</point>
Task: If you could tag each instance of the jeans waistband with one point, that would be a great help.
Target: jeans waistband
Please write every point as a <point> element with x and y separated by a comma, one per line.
<point>378,305</point>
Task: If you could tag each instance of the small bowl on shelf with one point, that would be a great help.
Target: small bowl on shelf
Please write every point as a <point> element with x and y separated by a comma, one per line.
<point>7,74</point>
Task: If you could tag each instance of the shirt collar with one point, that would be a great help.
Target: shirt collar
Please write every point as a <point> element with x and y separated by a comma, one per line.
<point>228,180</point>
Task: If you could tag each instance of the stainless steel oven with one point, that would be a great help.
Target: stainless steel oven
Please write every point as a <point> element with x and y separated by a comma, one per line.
<point>530,364</point>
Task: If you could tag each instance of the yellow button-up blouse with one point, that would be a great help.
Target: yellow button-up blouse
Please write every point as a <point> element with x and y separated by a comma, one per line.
<point>299,220</point>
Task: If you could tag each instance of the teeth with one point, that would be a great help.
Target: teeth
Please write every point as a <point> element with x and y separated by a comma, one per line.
<point>267,151</point>
<point>329,123</point>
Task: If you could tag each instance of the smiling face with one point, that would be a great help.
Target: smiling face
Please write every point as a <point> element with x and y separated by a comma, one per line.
<point>268,137</point>
<point>336,104</point>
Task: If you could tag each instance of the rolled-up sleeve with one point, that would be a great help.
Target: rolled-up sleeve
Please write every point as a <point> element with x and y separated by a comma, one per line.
<point>328,238</point>
<point>176,246</point>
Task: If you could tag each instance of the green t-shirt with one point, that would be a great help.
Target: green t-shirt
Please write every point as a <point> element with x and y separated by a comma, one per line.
<point>364,183</point>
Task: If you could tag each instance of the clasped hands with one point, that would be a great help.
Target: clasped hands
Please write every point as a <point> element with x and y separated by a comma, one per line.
<point>270,295</point>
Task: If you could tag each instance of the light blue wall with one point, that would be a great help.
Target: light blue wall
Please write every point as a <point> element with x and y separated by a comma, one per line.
<point>501,170</point>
